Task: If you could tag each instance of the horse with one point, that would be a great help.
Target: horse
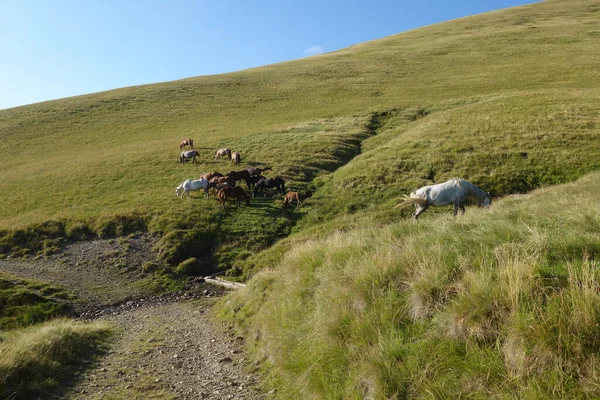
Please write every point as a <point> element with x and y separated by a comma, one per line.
<point>292,196</point>
<point>209,175</point>
<point>257,171</point>
<point>239,175</point>
<point>254,179</point>
<point>268,183</point>
<point>185,155</point>
<point>236,157</point>
<point>220,180</point>
<point>192,185</point>
<point>236,192</point>
<point>455,191</point>
<point>186,142</point>
<point>222,153</point>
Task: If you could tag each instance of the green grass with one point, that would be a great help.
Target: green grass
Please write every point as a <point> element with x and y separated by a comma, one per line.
<point>497,304</point>
<point>39,360</point>
<point>25,302</point>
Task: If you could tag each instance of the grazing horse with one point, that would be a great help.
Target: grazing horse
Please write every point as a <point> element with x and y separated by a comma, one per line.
<point>236,157</point>
<point>239,175</point>
<point>292,196</point>
<point>222,153</point>
<point>220,180</point>
<point>186,142</point>
<point>189,154</point>
<point>236,192</point>
<point>254,180</point>
<point>209,175</point>
<point>189,185</point>
<point>268,183</point>
<point>456,191</point>
<point>257,171</point>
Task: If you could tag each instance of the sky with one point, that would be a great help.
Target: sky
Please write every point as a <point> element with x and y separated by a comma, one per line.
<point>60,48</point>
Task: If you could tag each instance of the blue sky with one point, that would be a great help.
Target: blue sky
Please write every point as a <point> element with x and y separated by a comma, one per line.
<point>60,48</point>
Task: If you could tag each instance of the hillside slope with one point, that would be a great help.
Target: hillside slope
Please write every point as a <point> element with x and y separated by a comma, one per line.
<point>500,303</point>
<point>117,149</point>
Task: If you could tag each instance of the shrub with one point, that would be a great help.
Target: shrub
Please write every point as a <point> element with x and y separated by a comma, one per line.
<point>181,244</point>
<point>193,267</point>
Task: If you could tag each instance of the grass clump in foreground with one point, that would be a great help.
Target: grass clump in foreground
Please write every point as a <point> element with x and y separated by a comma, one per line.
<point>25,302</point>
<point>38,360</point>
<point>498,303</point>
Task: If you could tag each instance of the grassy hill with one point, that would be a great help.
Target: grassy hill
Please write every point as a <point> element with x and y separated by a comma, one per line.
<point>508,100</point>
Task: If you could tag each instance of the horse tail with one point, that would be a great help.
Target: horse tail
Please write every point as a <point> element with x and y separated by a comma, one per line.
<point>412,199</point>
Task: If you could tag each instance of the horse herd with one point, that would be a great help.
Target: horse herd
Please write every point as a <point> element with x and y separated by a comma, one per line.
<point>454,192</point>
<point>191,154</point>
<point>225,185</point>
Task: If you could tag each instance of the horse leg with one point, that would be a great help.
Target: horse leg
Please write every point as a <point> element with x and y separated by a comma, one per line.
<point>458,205</point>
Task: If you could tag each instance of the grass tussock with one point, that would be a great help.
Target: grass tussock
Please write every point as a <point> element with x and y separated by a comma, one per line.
<point>498,303</point>
<point>39,360</point>
<point>25,302</point>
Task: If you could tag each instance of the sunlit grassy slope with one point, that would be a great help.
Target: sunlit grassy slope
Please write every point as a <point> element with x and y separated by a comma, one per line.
<point>530,70</point>
<point>500,303</point>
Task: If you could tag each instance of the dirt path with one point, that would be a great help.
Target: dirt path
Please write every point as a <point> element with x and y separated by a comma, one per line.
<point>169,350</point>
<point>99,272</point>
<point>166,347</point>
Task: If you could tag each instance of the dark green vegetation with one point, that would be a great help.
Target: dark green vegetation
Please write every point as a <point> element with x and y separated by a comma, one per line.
<point>355,300</point>
<point>25,302</point>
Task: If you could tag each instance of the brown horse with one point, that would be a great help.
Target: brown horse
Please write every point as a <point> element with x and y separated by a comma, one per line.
<point>186,142</point>
<point>292,196</point>
<point>239,175</point>
<point>209,175</point>
<point>220,180</point>
<point>236,192</point>
<point>236,158</point>
<point>222,153</point>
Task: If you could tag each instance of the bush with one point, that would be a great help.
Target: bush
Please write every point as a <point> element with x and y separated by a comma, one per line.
<point>181,244</point>
<point>193,267</point>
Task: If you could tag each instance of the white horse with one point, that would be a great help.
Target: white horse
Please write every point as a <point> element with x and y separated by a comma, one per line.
<point>192,185</point>
<point>456,191</point>
<point>185,155</point>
